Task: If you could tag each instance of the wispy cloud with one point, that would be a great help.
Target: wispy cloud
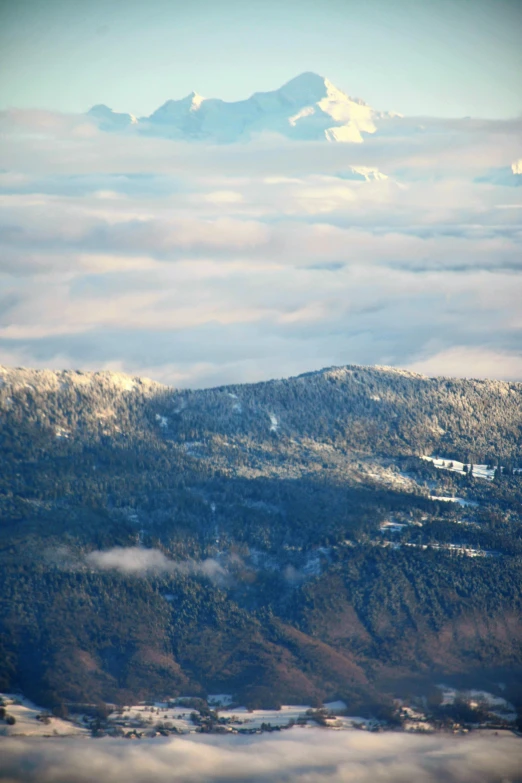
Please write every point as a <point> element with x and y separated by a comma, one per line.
<point>139,561</point>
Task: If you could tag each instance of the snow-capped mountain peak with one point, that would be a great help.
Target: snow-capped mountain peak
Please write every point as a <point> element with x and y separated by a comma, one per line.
<point>304,89</point>
<point>196,101</point>
<point>307,108</point>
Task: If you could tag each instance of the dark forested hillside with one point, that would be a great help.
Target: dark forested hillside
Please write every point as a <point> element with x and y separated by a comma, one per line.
<point>280,541</point>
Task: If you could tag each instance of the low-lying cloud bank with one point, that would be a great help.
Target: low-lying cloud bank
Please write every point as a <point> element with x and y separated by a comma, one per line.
<point>139,561</point>
<point>298,756</point>
<point>200,265</point>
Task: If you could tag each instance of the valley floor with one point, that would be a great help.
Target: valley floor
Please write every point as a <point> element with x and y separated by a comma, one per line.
<point>218,715</point>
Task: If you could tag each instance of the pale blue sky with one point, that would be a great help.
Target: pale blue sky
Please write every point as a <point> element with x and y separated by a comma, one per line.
<point>437,57</point>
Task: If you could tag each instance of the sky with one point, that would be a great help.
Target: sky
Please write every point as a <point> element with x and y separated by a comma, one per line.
<point>197,264</point>
<point>449,58</point>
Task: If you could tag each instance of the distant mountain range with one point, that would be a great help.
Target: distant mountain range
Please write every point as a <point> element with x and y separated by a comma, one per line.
<point>307,108</point>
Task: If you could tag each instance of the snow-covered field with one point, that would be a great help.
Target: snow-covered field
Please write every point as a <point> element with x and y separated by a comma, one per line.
<point>146,719</point>
<point>241,718</point>
<point>479,471</point>
<point>147,716</point>
<point>238,718</point>
<point>25,713</point>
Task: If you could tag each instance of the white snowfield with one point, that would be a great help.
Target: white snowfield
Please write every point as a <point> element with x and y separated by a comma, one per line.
<point>241,718</point>
<point>26,713</point>
<point>479,471</point>
<point>170,714</point>
<point>148,717</point>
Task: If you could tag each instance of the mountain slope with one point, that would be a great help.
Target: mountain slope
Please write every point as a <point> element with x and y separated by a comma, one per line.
<point>280,541</point>
<point>309,107</point>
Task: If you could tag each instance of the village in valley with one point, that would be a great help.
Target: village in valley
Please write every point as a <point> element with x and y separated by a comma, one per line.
<point>453,711</point>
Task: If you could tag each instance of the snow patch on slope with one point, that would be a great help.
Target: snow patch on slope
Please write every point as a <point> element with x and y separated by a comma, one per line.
<point>478,471</point>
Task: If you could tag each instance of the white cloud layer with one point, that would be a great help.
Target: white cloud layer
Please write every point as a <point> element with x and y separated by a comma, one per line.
<point>139,561</point>
<point>204,265</point>
<point>295,756</point>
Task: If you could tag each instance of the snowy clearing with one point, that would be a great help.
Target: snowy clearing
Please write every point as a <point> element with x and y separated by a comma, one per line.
<point>25,713</point>
<point>241,718</point>
<point>460,501</point>
<point>478,471</point>
<point>147,716</point>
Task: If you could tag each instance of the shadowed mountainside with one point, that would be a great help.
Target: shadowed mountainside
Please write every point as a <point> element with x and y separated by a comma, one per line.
<point>277,540</point>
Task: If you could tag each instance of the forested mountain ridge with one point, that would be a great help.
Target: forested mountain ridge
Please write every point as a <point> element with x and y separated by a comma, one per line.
<point>479,418</point>
<point>279,540</point>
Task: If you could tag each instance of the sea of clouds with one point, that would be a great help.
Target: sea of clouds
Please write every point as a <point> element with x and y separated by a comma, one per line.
<point>198,265</point>
<point>295,756</point>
